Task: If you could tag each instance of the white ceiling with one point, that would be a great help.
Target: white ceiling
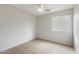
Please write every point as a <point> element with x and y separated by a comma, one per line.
<point>32,8</point>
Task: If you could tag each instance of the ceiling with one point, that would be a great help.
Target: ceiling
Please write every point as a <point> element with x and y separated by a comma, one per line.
<point>32,8</point>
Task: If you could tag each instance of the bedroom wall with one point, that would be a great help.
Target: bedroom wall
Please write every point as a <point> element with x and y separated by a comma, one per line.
<point>16,27</point>
<point>45,29</point>
<point>76,28</point>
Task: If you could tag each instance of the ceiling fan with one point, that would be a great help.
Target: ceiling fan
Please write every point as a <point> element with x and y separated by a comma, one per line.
<point>42,8</point>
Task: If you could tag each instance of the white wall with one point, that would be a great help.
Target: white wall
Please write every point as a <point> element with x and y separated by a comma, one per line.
<point>45,29</point>
<point>76,28</point>
<point>16,27</point>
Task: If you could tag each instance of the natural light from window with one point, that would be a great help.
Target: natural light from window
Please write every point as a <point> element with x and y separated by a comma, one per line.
<point>62,23</point>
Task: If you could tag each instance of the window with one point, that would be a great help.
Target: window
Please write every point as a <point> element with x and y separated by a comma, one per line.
<point>61,23</point>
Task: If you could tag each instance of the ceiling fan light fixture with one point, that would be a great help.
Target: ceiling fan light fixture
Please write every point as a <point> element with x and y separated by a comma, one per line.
<point>40,10</point>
